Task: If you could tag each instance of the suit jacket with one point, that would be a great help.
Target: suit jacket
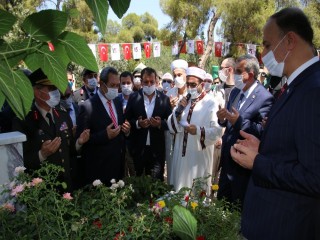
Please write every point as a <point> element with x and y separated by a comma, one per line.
<point>103,157</point>
<point>135,108</point>
<point>282,200</point>
<point>37,130</point>
<point>256,106</point>
<point>81,95</point>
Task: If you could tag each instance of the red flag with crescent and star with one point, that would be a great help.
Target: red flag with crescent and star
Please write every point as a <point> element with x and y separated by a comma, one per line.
<point>184,48</point>
<point>218,49</point>
<point>147,49</point>
<point>103,52</point>
<point>126,51</point>
<point>199,44</point>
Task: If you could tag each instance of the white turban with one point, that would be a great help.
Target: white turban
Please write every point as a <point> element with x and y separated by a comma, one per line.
<point>197,72</point>
<point>167,76</point>
<point>208,76</point>
<point>179,63</point>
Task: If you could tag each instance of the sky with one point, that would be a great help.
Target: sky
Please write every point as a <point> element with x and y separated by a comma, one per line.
<point>140,7</point>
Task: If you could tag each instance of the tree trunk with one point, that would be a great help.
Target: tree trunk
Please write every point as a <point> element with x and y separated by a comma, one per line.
<point>210,37</point>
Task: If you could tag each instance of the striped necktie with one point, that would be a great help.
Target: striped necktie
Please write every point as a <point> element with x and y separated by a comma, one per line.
<point>113,117</point>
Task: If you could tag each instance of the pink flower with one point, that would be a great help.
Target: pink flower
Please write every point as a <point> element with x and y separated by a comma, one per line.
<point>36,181</point>
<point>67,196</point>
<point>9,207</point>
<point>17,190</point>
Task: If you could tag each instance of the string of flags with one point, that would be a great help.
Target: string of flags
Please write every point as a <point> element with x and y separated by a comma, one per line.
<point>129,50</point>
<point>134,50</point>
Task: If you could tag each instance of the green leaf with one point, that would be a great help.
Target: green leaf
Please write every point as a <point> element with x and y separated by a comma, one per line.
<point>6,22</point>
<point>99,9</point>
<point>13,53</point>
<point>51,64</point>
<point>17,89</point>
<point>73,13</point>
<point>45,25</point>
<point>2,98</point>
<point>184,223</point>
<point>60,50</point>
<point>119,7</point>
<point>78,50</point>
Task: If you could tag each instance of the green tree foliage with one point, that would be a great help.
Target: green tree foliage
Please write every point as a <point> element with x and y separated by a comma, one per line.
<point>312,10</point>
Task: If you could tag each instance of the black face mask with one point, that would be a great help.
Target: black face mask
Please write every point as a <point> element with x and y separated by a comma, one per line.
<point>274,81</point>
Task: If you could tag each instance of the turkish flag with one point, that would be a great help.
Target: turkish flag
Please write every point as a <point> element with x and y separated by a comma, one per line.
<point>147,49</point>
<point>126,48</point>
<point>184,48</point>
<point>199,46</point>
<point>103,52</point>
<point>218,49</point>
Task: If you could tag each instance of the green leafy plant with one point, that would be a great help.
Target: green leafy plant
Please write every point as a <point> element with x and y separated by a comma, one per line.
<point>36,207</point>
<point>45,45</point>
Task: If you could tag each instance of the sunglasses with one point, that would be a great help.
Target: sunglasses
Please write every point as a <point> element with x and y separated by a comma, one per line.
<point>192,85</point>
<point>168,81</point>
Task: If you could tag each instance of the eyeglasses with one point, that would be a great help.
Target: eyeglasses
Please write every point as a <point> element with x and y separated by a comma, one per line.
<point>192,85</point>
<point>216,82</point>
<point>263,74</point>
<point>168,81</point>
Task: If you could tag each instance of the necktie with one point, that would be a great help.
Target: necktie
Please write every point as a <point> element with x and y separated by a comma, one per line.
<point>51,124</point>
<point>113,117</point>
<point>284,87</point>
<point>239,101</point>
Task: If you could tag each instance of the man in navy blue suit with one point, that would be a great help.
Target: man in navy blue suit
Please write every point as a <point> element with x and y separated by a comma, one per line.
<point>103,154</point>
<point>248,103</point>
<point>283,195</point>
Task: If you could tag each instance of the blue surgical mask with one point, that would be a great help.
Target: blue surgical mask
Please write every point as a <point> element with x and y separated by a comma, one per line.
<point>92,83</point>
<point>238,81</point>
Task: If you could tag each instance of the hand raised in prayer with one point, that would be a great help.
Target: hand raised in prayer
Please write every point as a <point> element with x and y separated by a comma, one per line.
<point>192,129</point>
<point>144,123</point>
<point>112,133</point>
<point>84,137</point>
<point>222,113</point>
<point>249,141</point>
<point>125,128</point>
<point>173,101</point>
<point>50,146</point>
<point>232,117</point>
<point>155,121</point>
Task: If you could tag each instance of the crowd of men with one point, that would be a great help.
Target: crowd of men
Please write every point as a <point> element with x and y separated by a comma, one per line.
<point>227,126</point>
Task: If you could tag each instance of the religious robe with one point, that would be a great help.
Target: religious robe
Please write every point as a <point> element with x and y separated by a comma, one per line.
<point>198,159</point>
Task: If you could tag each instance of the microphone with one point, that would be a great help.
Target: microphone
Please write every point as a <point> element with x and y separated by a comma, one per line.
<point>180,108</point>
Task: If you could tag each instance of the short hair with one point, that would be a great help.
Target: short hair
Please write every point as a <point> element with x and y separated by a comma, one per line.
<point>104,75</point>
<point>148,71</point>
<point>293,19</point>
<point>251,64</point>
<point>126,74</point>
<point>231,63</point>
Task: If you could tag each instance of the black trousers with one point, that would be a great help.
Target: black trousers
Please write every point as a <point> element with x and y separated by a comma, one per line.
<point>149,163</point>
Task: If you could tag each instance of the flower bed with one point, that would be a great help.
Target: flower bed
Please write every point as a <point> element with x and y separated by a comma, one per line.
<point>130,209</point>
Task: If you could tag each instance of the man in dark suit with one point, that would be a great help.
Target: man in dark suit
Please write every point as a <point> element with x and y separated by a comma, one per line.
<point>248,103</point>
<point>103,154</point>
<point>282,199</point>
<point>49,130</point>
<point>89,89</point>
<point>147,110</point>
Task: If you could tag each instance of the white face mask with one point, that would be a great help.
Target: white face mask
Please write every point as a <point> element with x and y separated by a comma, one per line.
<point>111,94</point>
<point>92,83</point>
<point>126,89</point>
<point>149,90</point>
<point>54,98</point>
<point>270,62</point>
<point>222,76</point>
<point>238,81</point>
<point>207,86</point>
<point>137,80</point>
<point>166,86</point>
<point>193,92</point>
<point>179,82</point>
